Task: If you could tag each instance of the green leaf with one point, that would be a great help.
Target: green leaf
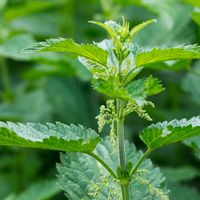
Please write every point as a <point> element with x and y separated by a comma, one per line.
<point>77,173</point>
<point>50,136</point>
<point>11,46</point>
<point>92,52</point>
<point>161,134</point>
<point>139,27</point>
<point>30,7</point>
<point>196,17</point>
<point>180,174</point>
<point>109,87</point>
<point>194,143</point>
<point>191,83</point>
<point>19,108</point>
<point>110,26</point>
<point>183,192</point>
<point>193,2</point>
<point>140,89</point>
<point>157,54</point>
<point>39,191</point>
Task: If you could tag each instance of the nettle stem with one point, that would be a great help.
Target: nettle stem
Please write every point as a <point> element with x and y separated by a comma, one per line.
<point>121,150</point>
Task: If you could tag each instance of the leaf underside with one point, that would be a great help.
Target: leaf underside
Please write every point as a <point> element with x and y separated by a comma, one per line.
<point>140,89</point>
<point>161,134</point>
<point>77,172</point>
<point>50,136</point>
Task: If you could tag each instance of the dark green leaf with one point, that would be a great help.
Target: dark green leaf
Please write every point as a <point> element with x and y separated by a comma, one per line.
<point>194,143</point>
<point>51,136</point>
<point>180,174</point>
<point>161,134</point>
<point>183,192</point>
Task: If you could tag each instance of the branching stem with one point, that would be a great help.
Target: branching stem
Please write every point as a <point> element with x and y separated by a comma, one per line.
<point>103,163</point>
<point>148,151</point>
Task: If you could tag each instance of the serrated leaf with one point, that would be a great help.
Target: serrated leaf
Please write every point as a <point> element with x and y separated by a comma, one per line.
<point>140,26</point>
<point>109,26</point>
<point>109,88</point>
<point>161,134</point>
<point>89,51</point>
<point>158,54</point>
<point>50,136</point>
<point>140,89</point>
<point>77,173</point>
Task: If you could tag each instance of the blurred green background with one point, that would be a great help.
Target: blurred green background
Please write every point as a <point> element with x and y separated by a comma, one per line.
<point>49,87</point>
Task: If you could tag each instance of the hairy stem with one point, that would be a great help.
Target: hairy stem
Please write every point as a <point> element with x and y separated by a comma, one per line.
<point>121,145</point>
<point>140,161</point>
<point>103,163</point>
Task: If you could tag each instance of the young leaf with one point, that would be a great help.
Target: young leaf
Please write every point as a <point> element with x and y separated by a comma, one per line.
<point>110,88</point>
<point>51,136</point>
<point>161,134</point>
<point>158,54</point>
<point>89,51</point>
<point>139,27</point>
<point>140,89</point>
<point>109,26</point>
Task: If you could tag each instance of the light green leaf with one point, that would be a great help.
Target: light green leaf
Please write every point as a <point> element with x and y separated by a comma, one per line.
<point>193,2</point>
<point>40,191</point>
<point>109,87</point>
<point>110,26</point>
<point>161,134</point>
<point>90,51</point>
<point>196,17</point>
<point>139,27</point>
<point>78,172</point>
<point>158,54</point>
<point>50,136</point>
<point>140,89</point>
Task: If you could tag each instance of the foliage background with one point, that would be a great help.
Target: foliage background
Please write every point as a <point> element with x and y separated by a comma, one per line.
<point>54,87</point>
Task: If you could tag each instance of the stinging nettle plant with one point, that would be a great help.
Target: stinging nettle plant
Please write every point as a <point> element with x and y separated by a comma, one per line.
<point>110,168</point>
